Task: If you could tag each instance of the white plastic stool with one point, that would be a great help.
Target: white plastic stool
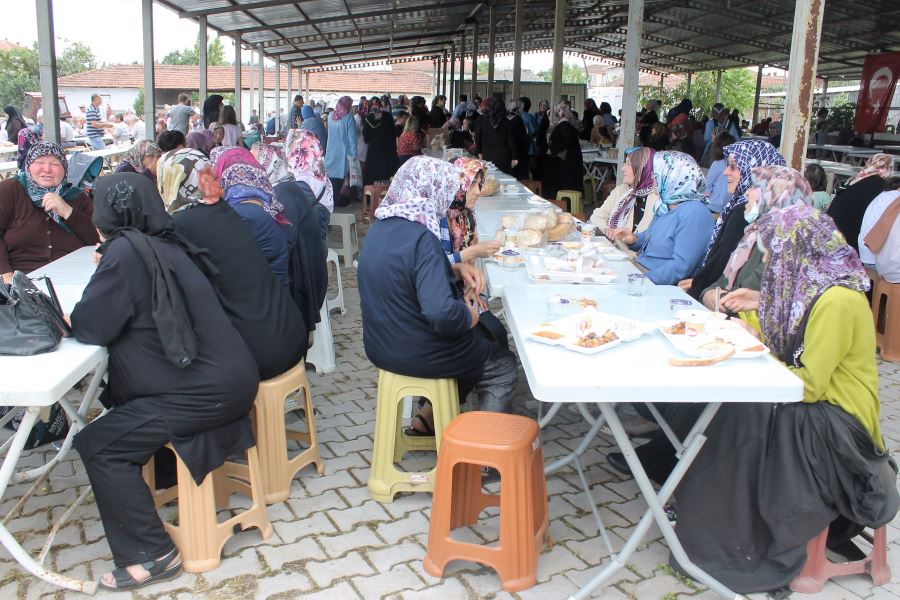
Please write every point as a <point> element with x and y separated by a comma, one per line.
<point>349,245</point>
<point>338,300</point>
<point>321,354</point>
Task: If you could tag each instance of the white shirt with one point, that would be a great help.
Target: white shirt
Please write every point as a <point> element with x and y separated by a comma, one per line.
<point>887,263</point>
<point>873,213</point>
<point>66,132</point>
<point>138,130</point>
<point>121,134</point>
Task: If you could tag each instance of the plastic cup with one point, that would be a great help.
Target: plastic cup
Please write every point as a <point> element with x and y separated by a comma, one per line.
<point>636,283</point>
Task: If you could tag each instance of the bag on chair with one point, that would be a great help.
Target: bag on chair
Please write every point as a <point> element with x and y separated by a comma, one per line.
<point>31,322</point>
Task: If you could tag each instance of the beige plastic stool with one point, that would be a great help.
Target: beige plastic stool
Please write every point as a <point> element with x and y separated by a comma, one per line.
<point>349,245</point>
<point>199,536</point>
<point>338,300</point>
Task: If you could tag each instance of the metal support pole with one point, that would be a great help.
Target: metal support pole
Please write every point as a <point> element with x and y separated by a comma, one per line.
<point>801,80</point>
<point>262,84</point>
<point>689,77</point>
<point>759,76</point>
<point>252,84</point>
<point>635,29</point>
<point>462,63</point>
<point>289,94</point>
<point>149,79</point>
<point>718,86</point>
<point>492,33</point>
<point>278,106</point>
<point>559,45</point>
<point>824,92</point>
<point>475,60</point>
<point>203,59</point>
<point>47,69</point>
<point>308,91</point>
<point>452,90</point>
<point>517,49</point>
<point>444,79</point>
<point>238,68</point>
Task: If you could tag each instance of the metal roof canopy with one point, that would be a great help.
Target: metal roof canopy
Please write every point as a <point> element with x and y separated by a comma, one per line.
<point>680,36</point>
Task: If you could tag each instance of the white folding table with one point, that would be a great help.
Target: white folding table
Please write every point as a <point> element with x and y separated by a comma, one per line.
<point>636,371</point>
<point>35,383</point>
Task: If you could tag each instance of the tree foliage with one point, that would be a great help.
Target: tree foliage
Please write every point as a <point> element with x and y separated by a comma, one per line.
<point>77,58</point>
<point>572,73</point>
<point>19,70</point>
<point>139,102</point>
<point>738,89</point>
<point>215,54</point>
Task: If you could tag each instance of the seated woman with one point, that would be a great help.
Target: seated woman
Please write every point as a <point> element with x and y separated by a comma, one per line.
<point>787,472</point>
<point>850,203</point>
<point>258,306</point>
<point>627,204</point>
<point>202,140</point>
<point>179,373</point>
<point>459,234</point>
<point>883,241</point>
<point>141,158</point>
<point>42,217</point>
<point>817,179</point>
<point>249,192</point>
<point>671,248</point>
<point>717,192</point>
<point>416,321</point>
<point>410,142</point>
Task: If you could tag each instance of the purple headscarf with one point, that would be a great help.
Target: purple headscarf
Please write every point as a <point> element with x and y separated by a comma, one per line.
<point>641,161</point>
<point>200,140</point>
<point>342,108</point>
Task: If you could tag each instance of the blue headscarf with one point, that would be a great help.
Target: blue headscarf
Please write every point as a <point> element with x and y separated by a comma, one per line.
<point>678,179</point>
<point>307,112</point>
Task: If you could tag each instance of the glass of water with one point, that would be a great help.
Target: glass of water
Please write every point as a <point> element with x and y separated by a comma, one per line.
<point>636,282</point>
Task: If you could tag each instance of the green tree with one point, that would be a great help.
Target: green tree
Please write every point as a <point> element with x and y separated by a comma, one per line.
<point>139,102</point>
<point>571,74</point>
<point>215,55</point>
<point>737,91</point>
<point>19,67</point>
<point>483,67</point>
<point>77,58</point>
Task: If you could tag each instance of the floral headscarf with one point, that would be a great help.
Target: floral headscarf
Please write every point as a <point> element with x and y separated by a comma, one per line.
<point>200,140</point>
<point>243,178</point>
<point>33,189</point>
<point>141,150</point>
<point>271,158</point>
<point>747,155</point>
<point>779,187</point>
<point>306,162</point>
<point>641,161</point>
<point>28,136</point>
<point>343,106</point>
<point>881,165</point>
<point>460,218</point>
<point>678,179</point>
<point>363,107</point>
<point>213,128</point>
<point>807,255</point>
<point>422,191</point>
<point>181,182</point>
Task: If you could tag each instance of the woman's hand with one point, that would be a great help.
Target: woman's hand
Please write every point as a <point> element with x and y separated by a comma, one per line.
<point>708,299</point>
<point>685,284</point>
<point>473,311</point>
<point>513,163</point>
<point>471,276</point>
<point>622,235</point>
<point>7,278</point>
<point>55,202</point>
<point>484,249</point>
<point>742,299</point>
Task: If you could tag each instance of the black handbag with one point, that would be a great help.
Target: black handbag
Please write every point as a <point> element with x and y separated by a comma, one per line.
<point>31,322</point>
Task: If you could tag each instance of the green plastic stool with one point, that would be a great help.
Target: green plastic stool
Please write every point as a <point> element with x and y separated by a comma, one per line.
<point>385,480</point>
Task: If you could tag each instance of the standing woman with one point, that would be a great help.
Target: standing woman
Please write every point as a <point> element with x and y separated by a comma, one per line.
<point>564,165</point>
<point>14,122</point>
<point>494,139</point>
<point>587,119</point>
<point>850,204</point>
<point>228,120</point>
<point>630,205</point>
<point>212,106</point>
<point>438,116</point>
<point>314,124</point>
<point>179,373</point>
<point>341,148</point>
<point>362,146</point>
<point>378,131</point>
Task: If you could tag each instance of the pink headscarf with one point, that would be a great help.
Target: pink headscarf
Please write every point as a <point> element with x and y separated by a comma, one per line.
<point>878,164</point>
<point>305,160</point>
<point>422,191</point>
<point>343,107</point>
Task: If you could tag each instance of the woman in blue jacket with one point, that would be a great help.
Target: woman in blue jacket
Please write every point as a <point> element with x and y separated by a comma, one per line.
<point>341,147</point>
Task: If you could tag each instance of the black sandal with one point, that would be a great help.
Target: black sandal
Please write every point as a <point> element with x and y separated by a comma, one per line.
<point>428,429</point>
<point>159,571</point>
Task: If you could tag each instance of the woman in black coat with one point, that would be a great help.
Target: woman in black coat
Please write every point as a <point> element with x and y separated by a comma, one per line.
<point>564,165</point>
<point>850,204</point>
<point>494,139</point>
<point>179,372</point>
<point>522,143</point>
<point>378,133</point>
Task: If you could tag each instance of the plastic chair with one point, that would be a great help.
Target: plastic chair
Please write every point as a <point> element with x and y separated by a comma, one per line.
<point>511,444</point>
<point>818,569</point>
<point>886,310</point>
<point>199,536</point>
<point>349,245</point>
<point>574,199</point>
<point>532,184</point>
<point>321,353</point>
<point>338,300</point>
<point>391,443</point>
<point>372,196</point>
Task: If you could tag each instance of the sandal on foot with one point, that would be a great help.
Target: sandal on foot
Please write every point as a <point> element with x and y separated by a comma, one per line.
<point>160,570</point>
<point>427,430</point>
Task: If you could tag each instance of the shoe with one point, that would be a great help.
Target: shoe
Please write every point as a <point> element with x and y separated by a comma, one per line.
<point>845,551</point>
<point>617,461</point>
<point>489,475</point>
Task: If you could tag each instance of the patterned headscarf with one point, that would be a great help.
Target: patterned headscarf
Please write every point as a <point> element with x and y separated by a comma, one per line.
<point>878,164</point>
<point>307,164</point>
<point>363,107</point>
<point>641,161</point>
<point>779,187</point>
<point>747,155</point>
<point>422,192</point>
<point>200,140</point>
<point>33,189</point>
<point>807,255</point>
<point>460,218</point>
<point>213,128</point>
<point>271,158</point>
<point>243,178</point>
<point>141,150</point>
<point>28,136</point>
<point>179,178</point>
<point>343,106</point>
<point>678,179</point>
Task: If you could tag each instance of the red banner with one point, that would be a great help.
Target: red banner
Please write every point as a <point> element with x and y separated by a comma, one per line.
<point>879,76</point>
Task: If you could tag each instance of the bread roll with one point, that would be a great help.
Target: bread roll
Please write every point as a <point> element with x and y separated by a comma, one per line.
<point>559,232</point>
<point>535,223</point>
<point>528,237</point>
<point>564,218</point>
<point>501,236</point>
<point>552,217</point>
<point>509,221</point>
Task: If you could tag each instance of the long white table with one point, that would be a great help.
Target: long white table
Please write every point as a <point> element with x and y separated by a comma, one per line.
<point>8,169</point>
<point>110,154</point>
<point>619,375</point>
<point>35,383</point>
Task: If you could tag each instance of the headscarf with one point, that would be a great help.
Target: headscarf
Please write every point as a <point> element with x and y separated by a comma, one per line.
<point>563,113</point>
<point>213,128</point>
<point>14,123</point>
<point>879,233</point>
<point>641,161</point>
<point>807,255</point>
<point>747,154</point>
<point>34,190</point>
<point>363,107</point>
<point>879,164</point>
<point>422,191</point>
<point>460,218</point>
<point>498,112</point>
<point>271,158</point>
<point>28,136</point>
<point>307,164</point>
<point>211,109</point>
<point>200,140</point>
<point>243,178</point>
<point>141,150</point>
<point>343,106</point>
<point>682,108</point>
<point>128,205</point>
<point>182,177</point>
<point>779,187</point>
<point>307,112</point>
<point>678,179</point>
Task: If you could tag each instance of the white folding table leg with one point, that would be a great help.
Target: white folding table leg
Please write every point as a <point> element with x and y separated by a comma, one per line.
<point>338,300</point>
<point>321,354</point>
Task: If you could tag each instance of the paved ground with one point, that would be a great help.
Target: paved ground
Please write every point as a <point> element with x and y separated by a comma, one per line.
<point>331,541</point>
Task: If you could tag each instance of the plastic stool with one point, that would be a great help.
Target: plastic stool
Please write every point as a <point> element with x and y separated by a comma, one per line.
<point>272,434</point>
<point>337,301</point>
<point>199,536</point>
<point>886,310</point>
<point>391,443</point>
<point>818,569</point>
<point>574,198</point>
<point>349,246</point>
<point>321,353</point>
<point>372,196</point>
<point>512,445</point>
<point>532,184</point>
<point>590,191</point>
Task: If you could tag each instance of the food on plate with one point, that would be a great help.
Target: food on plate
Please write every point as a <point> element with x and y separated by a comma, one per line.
<point>509,258</point>
<point>549,334</point>
<point>535,223</point>
<point>552,217</point>
<point>563,226</point>
<point>592,340</point>
<point>509,221</point>
<point>702,362</point>
<point>716,345</point>
<point>585,302</point>
<point>677,329</point>
<point>757,348</point>
<point>528,237</point>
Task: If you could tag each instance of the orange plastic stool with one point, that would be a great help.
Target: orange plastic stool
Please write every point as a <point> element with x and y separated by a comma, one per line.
<point>818,569</point>
<point>512,445</point>
<point>532,184</point>
<point>886,309</point>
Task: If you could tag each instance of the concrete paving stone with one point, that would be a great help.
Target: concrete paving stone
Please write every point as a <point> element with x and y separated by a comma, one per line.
<point>581,577</point>
<point>316,485</point>
<point>355,496</point>
<point>351,432</point>
<point>554,589</point>
<point>394,554</point>
<point>288,584</point>
<point>324,573</point>
<point>593,550</point>
<point>557,559</point>
<point>245,563</point>
<point>449,588</point>
<point>250,538</point>
<point>412,524</point>
<point>485,584</point>
<point>314,525</point>
<point>338,545</point>
<point>340,591</point>
<point>342,447</point>
<point>398,579</point>
<point>296,552</point>
<point>347,461</point>
<point>649,558</point>
<point>305,506</point>
<point>656,587</point>
<point>368,512</point>
<point>68,557</point>
<point>404,504</point>
<point>37,522</point>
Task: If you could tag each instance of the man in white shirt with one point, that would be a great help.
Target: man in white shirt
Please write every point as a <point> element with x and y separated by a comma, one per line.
<point>138,128</point>
<point>66,134</point>
<point>873,212</point>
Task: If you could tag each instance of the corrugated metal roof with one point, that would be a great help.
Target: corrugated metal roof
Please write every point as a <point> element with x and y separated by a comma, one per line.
<point>679,35</point>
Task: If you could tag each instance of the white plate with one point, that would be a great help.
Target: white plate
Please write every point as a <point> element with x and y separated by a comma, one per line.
<point>626,329</point>
<point>604,277</point>
<point>691,344</point>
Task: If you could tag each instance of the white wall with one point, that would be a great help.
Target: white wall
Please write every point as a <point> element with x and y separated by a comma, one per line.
<point>613,95</point>
<point>121,99</point>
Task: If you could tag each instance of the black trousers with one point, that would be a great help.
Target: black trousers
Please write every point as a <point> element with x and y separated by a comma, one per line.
<point>134,531</point>
<point>658,455</point>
